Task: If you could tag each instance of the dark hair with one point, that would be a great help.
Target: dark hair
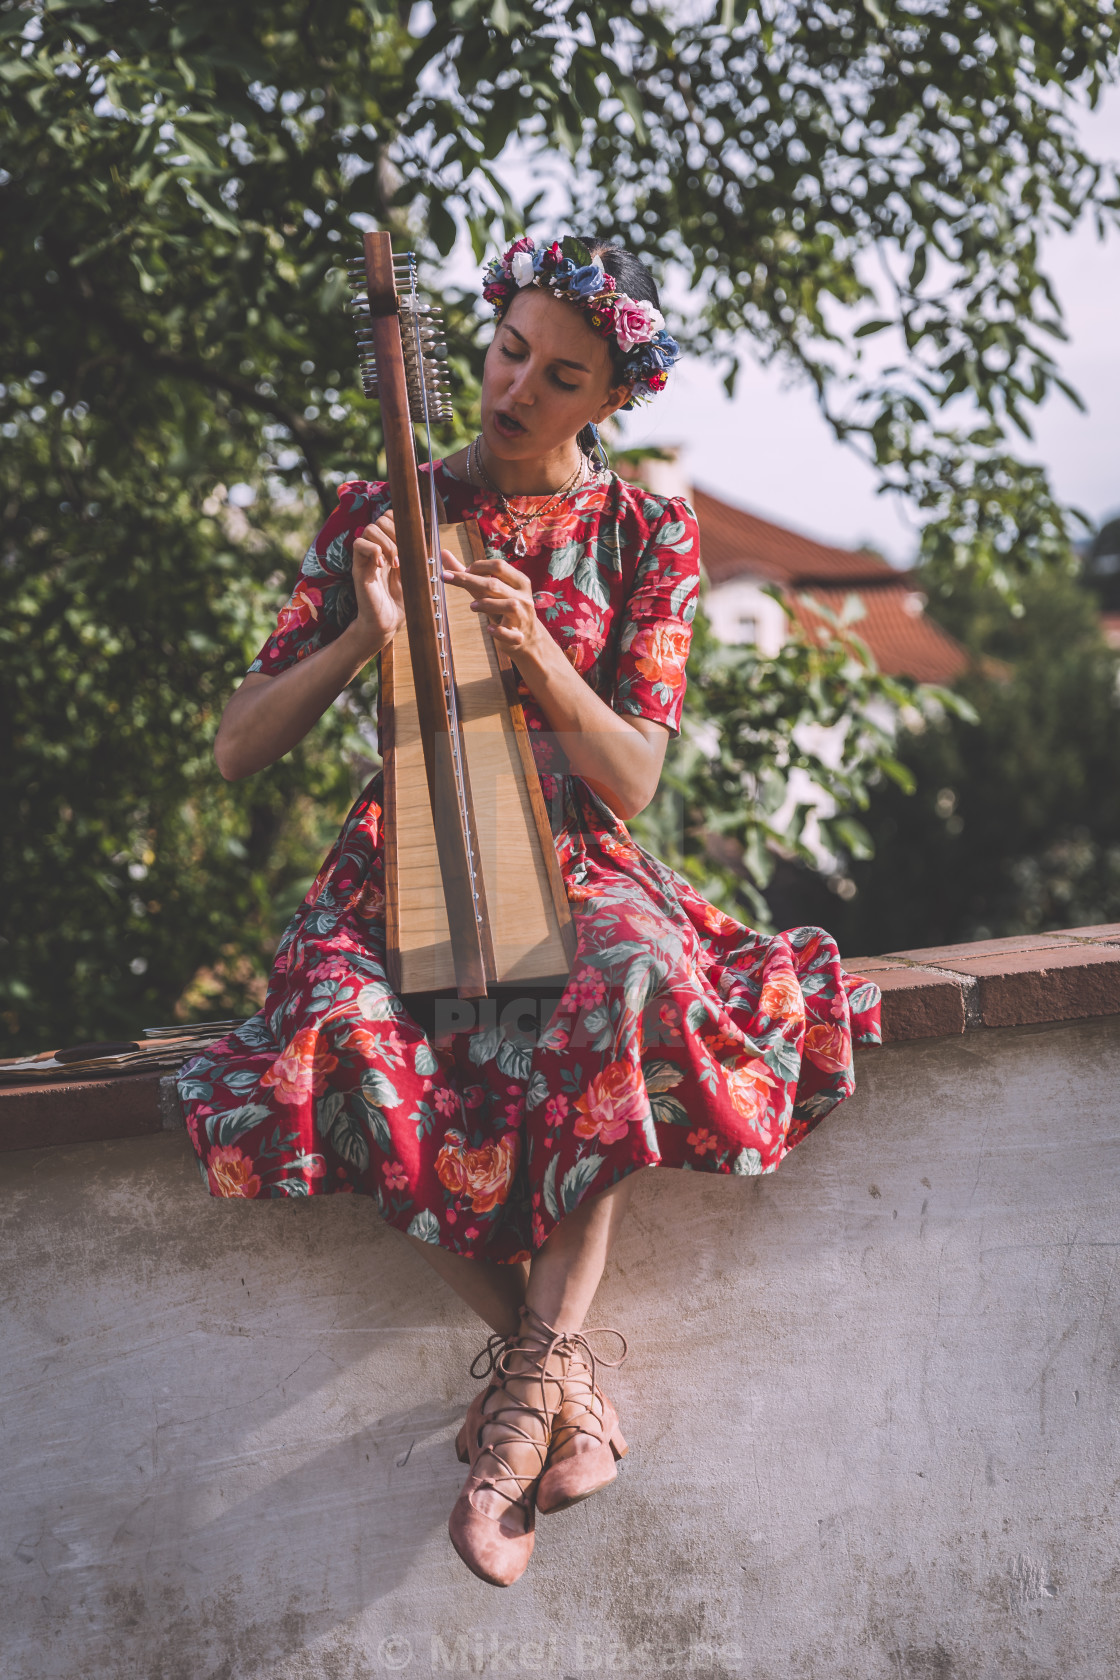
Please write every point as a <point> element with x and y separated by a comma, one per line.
<point>634,280</point>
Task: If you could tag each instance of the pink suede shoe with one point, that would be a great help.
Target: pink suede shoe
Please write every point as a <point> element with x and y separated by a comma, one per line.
<point>493,1521</point>
<point>586,1440</point>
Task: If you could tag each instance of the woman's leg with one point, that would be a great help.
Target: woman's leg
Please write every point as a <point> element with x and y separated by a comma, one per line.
<point>563,1277</point>
<point>565,1272</point>
<point>495,1292</point>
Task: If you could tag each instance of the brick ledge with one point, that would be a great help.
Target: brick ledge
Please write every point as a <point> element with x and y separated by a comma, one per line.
<point>1027,980</point>
<point>938,992</point>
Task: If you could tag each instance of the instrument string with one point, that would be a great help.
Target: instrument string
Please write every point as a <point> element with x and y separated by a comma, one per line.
<point>439,606</point>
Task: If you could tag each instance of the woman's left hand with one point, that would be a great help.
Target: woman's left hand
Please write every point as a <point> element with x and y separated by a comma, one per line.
<point>504,595</point>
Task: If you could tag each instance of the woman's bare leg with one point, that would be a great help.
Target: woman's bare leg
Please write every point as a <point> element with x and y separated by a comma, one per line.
<point>562,1278</point>
<point>496,1293</point>
<point>565,1272</point>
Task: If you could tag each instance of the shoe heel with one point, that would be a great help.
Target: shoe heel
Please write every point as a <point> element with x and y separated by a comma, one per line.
<point>461,1452</point>
<point>618,1444</point>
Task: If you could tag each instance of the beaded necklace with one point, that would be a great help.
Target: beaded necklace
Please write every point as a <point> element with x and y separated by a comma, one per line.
<point>477,474</point>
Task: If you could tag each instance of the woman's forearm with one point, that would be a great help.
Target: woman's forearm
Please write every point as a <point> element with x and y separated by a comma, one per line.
<point>268,716</point>
<point>621,760</point>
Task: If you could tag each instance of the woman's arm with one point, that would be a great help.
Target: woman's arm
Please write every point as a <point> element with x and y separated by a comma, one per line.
<point>268,716</point>
<point>620,758</point>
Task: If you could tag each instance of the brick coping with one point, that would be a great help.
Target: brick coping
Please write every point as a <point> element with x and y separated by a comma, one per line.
<point>939,992</point>
<point>1027,980</point>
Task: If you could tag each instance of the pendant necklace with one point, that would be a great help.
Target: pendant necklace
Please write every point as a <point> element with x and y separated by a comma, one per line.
<point>477,474</point>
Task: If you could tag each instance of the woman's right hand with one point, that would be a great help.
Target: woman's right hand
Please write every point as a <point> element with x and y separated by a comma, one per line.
<point>377,582</point>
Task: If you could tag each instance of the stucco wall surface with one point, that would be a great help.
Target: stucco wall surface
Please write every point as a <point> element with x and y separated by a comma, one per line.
<point>872,1405</point>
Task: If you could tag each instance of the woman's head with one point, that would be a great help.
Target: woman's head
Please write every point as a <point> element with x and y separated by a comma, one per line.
<point>579,336</point>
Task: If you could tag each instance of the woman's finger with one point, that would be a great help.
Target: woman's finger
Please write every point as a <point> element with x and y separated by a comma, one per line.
<point>376,544</point>
<point>477,586</point>
<point>494,566</point>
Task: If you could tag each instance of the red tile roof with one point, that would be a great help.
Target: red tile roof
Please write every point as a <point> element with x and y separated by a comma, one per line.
<point>736,542</point>
<point>903,642</point>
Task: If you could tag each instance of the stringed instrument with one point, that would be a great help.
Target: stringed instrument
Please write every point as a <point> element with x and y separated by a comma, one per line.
<point>474,894</point>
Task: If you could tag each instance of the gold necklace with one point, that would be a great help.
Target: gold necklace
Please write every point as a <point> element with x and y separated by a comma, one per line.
<point>476,472</point>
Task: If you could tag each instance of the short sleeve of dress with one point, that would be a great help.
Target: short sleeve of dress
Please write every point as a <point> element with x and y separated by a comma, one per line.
<point>657,620</point>
<point>322,603</point>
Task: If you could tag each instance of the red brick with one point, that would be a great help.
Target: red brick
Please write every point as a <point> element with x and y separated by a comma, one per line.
<point>936,955</point>
<point>78,1111</point>
<point>1108,932</point>
<point>1065,983</point>
<point>916,1002</point>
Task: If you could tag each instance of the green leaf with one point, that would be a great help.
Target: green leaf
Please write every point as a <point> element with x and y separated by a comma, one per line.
<point>227,1128</point>
<point>578,1179</point>
<point>783,1059</point>
<point>515,1058</point>
<point>537,1092</point>
<point>378,1088</point>
<point>862,998</point>
<point>346,1132</point>
<point>575,250</point>
<point>377,1123</point>
<point>425,1060</point>
<point>668,1111</point>
<point>548,1188</point>
<point>441,226</point>
<point>661,1075</point>
<point>425,1226</point>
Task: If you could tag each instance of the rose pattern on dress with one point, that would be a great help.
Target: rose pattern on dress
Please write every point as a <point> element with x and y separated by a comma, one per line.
<point>682,1038</point>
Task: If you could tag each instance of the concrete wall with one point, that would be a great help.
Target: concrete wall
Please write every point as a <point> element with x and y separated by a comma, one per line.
<point>872,1404</point>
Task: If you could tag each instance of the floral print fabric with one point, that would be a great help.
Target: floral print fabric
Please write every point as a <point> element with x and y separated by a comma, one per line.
<point>681,1037</point>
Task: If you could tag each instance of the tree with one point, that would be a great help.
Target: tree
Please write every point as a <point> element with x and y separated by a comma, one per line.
<point>1014,826</point>
<point>179,183</point>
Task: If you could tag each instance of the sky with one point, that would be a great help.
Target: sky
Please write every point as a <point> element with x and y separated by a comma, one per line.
<point>770,451</point>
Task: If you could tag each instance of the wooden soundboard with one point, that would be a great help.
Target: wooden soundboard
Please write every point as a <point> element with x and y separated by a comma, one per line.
<point>530,920</point>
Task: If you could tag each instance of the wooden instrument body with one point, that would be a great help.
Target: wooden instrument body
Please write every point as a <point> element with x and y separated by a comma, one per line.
<point>474,895</point>
<point>531,931</point>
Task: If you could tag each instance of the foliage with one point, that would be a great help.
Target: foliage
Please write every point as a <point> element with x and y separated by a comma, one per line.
<point>1101,569</point>
<point>129,866</point>
<point>178,183</point>
<point>763,740</point>
<point>1015,823</point>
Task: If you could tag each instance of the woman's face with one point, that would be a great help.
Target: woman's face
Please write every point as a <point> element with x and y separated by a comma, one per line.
<point>547,374</point>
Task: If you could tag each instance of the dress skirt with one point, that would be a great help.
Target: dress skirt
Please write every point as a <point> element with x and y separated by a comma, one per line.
<point>681,1039</point>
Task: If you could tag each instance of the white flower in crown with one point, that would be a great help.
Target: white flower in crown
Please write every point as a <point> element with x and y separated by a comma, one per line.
<point>636,323</point>
<point>521,267</point>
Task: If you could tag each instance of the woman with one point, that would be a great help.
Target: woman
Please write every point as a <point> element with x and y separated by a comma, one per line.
<point>682,1038</point>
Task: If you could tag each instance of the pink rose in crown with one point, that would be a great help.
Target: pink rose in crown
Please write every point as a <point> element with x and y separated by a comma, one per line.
<point>636,323</point>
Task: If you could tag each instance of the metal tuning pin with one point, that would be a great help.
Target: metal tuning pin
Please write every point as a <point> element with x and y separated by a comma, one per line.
<point>422,340</point>
<point>359,307</point>
<point>425,362</point>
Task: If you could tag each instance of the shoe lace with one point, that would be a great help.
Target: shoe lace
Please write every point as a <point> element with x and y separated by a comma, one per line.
<point>536,1347</point>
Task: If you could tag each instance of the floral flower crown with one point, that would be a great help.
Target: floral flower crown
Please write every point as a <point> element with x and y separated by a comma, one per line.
<point>568,269</point>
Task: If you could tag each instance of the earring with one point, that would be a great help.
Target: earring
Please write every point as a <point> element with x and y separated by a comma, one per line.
<point>597,455</point>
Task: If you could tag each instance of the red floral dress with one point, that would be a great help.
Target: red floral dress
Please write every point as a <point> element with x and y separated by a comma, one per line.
<point>682,1039</point>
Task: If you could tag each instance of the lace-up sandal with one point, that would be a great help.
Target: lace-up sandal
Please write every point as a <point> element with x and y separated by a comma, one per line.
<point>492,1528</point>
<point>467,1443</point>
<point>586,1440</point>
